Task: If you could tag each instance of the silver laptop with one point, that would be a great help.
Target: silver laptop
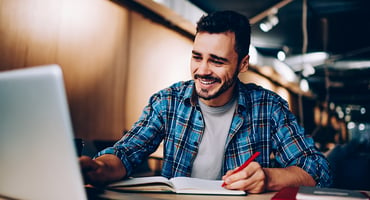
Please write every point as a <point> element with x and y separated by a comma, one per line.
<point>38,157</point>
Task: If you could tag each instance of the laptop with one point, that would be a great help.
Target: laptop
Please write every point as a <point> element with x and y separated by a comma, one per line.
<point>38,157</point>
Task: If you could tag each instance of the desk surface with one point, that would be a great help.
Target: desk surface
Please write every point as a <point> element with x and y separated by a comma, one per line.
<point>167,196</point>
<point>164,196</point>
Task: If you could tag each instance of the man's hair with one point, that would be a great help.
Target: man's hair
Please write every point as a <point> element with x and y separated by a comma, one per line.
<point>228,21</point>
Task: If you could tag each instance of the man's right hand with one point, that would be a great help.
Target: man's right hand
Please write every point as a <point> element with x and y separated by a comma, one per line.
<point>102,170</point>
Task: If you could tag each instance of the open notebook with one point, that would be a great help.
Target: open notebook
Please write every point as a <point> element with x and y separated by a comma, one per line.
<point>37,152</point>
<point>179,185</point>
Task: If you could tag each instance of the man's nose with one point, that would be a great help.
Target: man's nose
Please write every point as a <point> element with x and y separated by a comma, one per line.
<point>204,68</point>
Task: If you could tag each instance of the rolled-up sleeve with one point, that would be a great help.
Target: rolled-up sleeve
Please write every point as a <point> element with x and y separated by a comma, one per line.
<point>295,148</point>
<point>141,140</point>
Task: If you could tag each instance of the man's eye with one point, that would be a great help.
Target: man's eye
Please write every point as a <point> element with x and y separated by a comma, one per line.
<point>197,57</point>
<point>217,62</point>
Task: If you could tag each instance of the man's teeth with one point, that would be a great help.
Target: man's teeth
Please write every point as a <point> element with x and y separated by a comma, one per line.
<point>207,82</point>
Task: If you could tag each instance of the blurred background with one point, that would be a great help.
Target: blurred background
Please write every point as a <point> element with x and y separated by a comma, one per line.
<point>116,54</point>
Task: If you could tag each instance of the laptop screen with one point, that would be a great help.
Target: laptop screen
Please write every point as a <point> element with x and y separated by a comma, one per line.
<point>37,152</point>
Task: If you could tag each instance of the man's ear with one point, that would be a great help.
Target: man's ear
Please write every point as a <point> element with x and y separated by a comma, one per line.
<point>244,64</point>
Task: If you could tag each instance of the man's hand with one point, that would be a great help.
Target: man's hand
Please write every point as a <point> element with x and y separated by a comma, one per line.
<point>92,170</point>
<point>102,170</point>
<point>251,179</point>
<point>255,179</point>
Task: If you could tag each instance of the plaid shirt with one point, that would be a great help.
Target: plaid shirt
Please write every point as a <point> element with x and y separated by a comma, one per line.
<point>262,122</point>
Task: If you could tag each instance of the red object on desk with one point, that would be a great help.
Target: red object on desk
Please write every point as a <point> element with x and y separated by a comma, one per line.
<point>254,156</point>
<point>288,193</point>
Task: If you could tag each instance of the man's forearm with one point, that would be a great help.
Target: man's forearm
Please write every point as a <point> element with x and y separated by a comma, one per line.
<point>278,178</point>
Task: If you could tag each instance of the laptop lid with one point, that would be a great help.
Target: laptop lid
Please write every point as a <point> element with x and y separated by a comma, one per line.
<point>38,159</point>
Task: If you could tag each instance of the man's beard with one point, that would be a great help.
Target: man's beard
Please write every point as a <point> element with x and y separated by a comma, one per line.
<point>223,88</point>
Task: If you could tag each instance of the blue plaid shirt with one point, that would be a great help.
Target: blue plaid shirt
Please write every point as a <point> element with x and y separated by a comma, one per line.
<point>262,122</point>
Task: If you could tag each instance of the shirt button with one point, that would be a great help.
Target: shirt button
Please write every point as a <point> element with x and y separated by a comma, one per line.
<point>200,118</point>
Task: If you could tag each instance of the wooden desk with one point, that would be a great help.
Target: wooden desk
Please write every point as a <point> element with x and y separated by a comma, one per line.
<point>152,196</point>
<point>165,196</point>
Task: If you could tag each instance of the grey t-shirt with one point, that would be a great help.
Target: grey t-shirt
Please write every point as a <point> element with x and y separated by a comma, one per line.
<point>209,160</point>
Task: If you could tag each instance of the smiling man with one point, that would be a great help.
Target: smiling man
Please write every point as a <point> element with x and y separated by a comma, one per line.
<point>212,124</point>
<point>215,67</point>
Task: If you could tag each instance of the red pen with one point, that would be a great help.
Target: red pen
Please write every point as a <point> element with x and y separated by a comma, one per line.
<point>254,156</point>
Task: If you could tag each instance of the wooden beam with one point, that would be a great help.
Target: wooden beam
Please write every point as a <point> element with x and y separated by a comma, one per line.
<point>269,11</point>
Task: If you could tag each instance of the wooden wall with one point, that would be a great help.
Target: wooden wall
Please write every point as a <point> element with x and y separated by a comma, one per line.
<point>95,42</point>
<point>113,57</point>
<point>159,57</point>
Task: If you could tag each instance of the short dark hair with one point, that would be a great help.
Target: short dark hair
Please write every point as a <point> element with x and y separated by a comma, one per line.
<point>228,21</point>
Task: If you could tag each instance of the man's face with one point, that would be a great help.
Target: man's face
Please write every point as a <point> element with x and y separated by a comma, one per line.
<point>214,67</point>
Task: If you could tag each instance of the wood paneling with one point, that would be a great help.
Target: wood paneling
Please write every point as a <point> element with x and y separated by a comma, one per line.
<point>159,57</point>
<point>89,39</point>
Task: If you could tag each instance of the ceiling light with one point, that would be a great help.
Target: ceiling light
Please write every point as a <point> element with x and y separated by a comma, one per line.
<point>304,85</point>
<point>270,22</point>
<point>363,110</point>
<point>351,125</point>
<point>284,70</point>
<point>281,55</point>
<point>253,55</point>
<point>361,127</point>
<point>308,70</point>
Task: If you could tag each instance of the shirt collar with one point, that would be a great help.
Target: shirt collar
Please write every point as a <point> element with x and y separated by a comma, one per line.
<point>242,96</point>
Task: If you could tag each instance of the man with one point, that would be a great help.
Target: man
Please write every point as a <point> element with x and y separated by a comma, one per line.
<point>212,124</point>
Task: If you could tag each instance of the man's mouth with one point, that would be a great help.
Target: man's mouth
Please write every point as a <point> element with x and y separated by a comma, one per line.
<point>207,80</point>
